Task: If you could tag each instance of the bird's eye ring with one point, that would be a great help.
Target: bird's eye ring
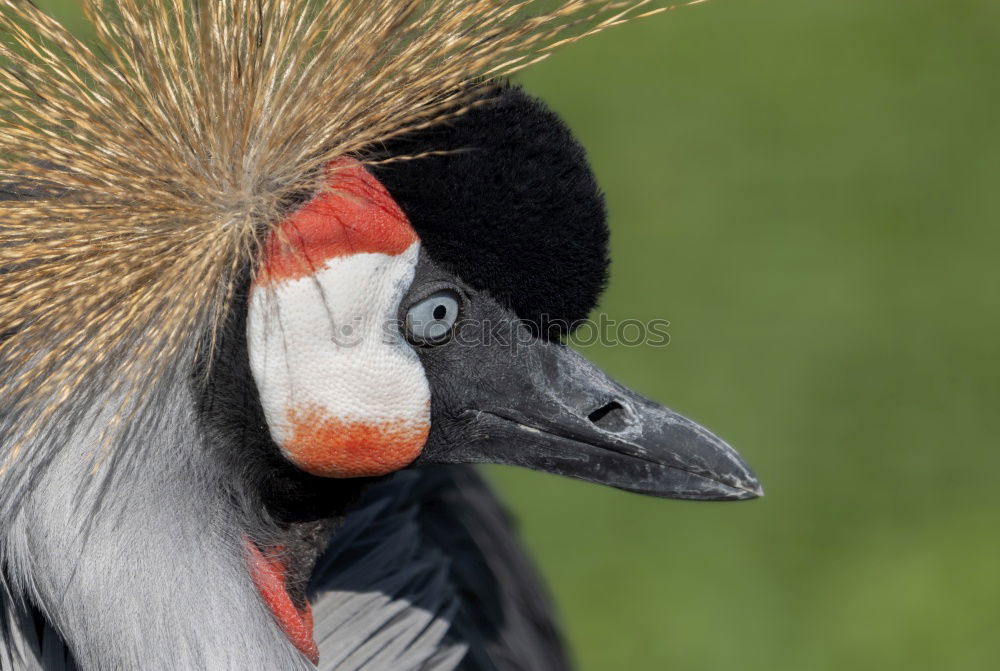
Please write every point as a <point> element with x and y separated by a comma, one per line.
<point>430,321</point>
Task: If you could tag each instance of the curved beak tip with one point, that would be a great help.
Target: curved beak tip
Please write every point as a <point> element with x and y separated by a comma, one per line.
<point>715,488</point>
<point>752,489</point>
<point>747,486</point>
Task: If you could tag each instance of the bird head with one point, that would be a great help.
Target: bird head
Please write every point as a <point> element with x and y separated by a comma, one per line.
<point>265,252</point>
<point>411,312</point>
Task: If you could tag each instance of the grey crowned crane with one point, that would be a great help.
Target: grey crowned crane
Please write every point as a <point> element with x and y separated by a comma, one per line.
<point>274,275</point>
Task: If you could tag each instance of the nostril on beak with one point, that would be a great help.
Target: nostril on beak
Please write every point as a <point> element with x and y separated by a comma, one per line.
<point>611,417</point>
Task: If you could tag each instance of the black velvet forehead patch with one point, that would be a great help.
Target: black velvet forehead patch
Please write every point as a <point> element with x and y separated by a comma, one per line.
<point>513,209</point>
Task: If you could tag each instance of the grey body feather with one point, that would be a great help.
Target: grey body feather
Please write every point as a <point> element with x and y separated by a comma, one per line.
<point>27,641</point>
<point>438,546</point>
<point>425,574</point>
<point>151,575</point>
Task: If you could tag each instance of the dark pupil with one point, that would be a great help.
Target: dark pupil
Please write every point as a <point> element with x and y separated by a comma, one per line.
<point>440,311</point>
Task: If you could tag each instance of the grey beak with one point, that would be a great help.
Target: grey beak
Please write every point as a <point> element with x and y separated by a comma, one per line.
<point>549,409</point>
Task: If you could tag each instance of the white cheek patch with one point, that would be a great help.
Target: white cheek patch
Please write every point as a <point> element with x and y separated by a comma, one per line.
<point>342,392</point>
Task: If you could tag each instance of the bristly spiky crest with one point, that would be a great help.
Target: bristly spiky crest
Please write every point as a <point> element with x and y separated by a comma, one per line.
<point>148,166</point>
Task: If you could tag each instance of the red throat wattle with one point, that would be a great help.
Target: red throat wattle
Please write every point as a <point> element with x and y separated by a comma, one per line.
<point>268,572</point>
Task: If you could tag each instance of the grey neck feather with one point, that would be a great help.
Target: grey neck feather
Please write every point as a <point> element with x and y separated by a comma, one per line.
<point>153,579</point>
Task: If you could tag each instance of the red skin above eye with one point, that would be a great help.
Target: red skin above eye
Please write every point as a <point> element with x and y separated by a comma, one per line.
<point>268,574</point>
<point>352,215</point>
<point>329,447</point>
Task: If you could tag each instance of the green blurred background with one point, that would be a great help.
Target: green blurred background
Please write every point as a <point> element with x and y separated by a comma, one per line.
<point>808,190</point>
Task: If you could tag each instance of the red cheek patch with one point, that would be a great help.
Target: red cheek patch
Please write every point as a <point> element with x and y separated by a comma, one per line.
<point>329,447</point>
<point>353,215</point>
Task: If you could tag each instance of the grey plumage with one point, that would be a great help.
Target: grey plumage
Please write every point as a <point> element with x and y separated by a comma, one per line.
<point>153,576</point>
<point>27,640</point>
<point>424,575</point>
<point>440,541</point>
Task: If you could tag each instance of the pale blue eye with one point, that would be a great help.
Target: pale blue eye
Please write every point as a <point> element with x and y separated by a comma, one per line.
<point>430,321</point>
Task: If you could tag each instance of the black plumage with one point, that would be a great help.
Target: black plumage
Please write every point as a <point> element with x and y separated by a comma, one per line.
<point>511,206</point>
